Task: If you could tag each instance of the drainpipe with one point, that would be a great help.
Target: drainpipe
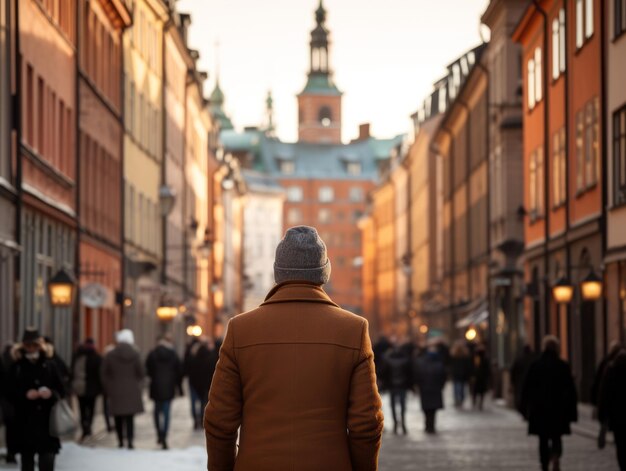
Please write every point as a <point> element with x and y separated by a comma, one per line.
<point>605,176</point>
<point>468,213</point>
<point>77,271</point>
<point>16,116</point>
<point>546,153</point>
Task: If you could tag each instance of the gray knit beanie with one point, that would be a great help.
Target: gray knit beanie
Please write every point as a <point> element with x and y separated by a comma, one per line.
<point>301,256</point>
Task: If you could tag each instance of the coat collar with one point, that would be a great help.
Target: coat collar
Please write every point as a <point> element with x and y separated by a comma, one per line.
<point>297,291</point>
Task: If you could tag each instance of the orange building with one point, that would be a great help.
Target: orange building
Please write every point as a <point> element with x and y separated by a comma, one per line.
<point>100,166</point>
<point>562,42</point>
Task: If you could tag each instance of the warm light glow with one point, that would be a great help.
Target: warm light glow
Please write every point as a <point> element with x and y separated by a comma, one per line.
<point>471,334</point>
<point>128,302</point>
<point>61,294</point>
<point>166,313</point>
<point>591,290</point>
<point>182,309</point>
<point>423,329</point>
<point>194,331</point>
<point>563,294</point>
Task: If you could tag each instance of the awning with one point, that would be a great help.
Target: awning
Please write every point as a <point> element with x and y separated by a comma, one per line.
<point>478,315</point>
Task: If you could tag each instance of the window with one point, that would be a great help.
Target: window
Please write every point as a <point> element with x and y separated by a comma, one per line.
<point>558,44</point>
<point>356,194</point>
<point>326,194</point>
<point>536,184</point>
<point>294,216</point>
<point>584,21</point>
<point>325,116</point>
<point>294,194</point>
<point>559,168</point>
<point>324,216</point>
<point>530,79</point>
<point>353,168</point>
<point>40,115</point>
<point>356,215</point>
<point>287,167</point>
<point>619,8</point>
<point>619,154</point>
<point>587,146</point>
<point>538,75</point>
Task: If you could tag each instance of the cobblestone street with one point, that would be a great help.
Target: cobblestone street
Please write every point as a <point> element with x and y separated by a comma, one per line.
<point>494,439</point>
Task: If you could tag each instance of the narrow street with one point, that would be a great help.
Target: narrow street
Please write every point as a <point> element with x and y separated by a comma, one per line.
<point>494,439</point>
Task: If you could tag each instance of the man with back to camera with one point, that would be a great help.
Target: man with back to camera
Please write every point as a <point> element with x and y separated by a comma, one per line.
<point>297,374</point>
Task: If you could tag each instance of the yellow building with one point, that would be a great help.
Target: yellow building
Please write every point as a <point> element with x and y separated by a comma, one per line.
<point>143,154</point>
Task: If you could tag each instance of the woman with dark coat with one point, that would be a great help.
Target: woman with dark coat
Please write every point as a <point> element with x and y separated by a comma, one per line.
<point>549,402</point>
<point>200,368</point>
<point>86,382</point>
<point>430,377</point>
<point>35,385</point>
<point>398,369</point>
<point>481,371</point>
<point>165,371</point>
<point>122,378</point>
<point>612,404</point>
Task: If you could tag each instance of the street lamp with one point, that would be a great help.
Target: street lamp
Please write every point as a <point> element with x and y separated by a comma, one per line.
<point>423,329</point>
<point>167,199</point>
<point>194,330</point>
<point>591,287</point>
<point>166,313</point>
<point>61,289</point>
<point>563,291</point>
<point>471,334</point>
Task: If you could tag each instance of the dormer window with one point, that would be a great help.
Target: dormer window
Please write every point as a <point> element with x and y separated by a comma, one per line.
<point>287,167</point>
<point>353,168</point>
<point>325,116</point>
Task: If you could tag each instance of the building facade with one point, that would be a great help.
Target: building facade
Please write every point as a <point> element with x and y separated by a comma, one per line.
<point>100,141</point>
<point>615,145</point>
<point>143,157</point>
<point>47,163</point>
<point>563,168</point>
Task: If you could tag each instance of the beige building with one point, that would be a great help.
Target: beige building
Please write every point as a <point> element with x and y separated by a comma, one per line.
<point>615,259</point>
<point>143,155</point>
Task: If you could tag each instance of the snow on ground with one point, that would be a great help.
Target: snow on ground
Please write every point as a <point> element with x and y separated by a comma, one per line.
<point>74,457</point>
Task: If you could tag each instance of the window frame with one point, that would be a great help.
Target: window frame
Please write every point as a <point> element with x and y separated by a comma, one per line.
<point>290,194</point>
<point>326,194</point>
<point>619,25</point>
<point>619,156</point>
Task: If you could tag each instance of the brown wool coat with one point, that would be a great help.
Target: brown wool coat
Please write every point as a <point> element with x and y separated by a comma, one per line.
<point>297,374</point>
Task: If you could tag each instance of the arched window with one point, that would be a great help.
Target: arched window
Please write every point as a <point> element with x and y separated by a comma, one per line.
<point>325,116</point>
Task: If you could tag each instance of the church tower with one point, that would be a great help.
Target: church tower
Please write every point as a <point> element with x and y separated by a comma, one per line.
<point>319,104</point>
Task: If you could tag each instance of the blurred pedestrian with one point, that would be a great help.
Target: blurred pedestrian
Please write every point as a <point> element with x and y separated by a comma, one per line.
<point>122,378</point>
<point>200,368</point>
<point>86,384</point>
<point>430,378</point>
<point>295,376</point>
<point>398,369</point>
<point>614,349</point>
<point>481,372</point>
<point>62,367</point>
<point>612,403</point>
<point>518,374</point>
<point>8,409</point>
<point>35,385</point>
<point>194,399</point>
<point>549,402</point>
<point>380,348</point>
<point>165,371</point>
<point>460,370</point>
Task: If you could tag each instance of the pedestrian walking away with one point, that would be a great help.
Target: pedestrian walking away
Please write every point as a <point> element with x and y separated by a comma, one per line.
<point>549,402</point>
<point>297,375</point>
<point>86,384</point>
<point>614,349</point>
<point>612,404</point>
<point>35,385</point>
<point>122,378</point>
<point>481,373</point>
<point>430,378</point>
<point>8,409</point>
<point>165,372</point>
<point>200,366</point>
<point>398,370</point>
<point>519,369</point>
<point>460,370</point>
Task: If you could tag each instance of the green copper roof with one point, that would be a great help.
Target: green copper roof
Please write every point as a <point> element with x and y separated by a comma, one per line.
<point>320,84</point>
<point>217,95</point>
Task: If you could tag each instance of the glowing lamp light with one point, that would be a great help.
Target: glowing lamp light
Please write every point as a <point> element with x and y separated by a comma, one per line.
<point>166,313</point>
<point>61,289</point>
<point>423,329</point>
<point>471,334</point>
<point>591,287</point>
<point>562,291</point>
<point>194,331</point>
<point>128,302</point>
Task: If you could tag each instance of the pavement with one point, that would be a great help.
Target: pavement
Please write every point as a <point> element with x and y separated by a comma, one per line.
<point>492,439</point>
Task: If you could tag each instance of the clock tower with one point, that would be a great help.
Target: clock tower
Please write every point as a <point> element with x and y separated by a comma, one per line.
<point>319,104</point>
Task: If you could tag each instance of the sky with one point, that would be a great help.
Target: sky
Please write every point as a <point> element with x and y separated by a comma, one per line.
<point>385,55</point>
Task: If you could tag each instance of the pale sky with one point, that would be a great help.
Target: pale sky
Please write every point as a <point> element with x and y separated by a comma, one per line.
<point>385,55</point>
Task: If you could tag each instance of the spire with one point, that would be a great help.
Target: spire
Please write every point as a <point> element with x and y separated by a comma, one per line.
<point>216,100</point>
<point>319,43</point>
<point>320,14</point>
<point>269,109</point>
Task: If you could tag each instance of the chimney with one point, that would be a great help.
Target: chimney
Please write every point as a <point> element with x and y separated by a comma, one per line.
<point>364,132</point>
